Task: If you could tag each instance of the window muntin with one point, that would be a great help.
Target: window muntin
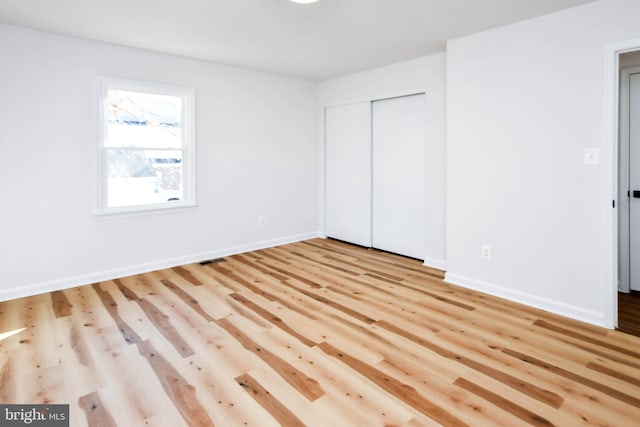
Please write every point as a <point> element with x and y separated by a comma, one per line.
<point>146,147</point>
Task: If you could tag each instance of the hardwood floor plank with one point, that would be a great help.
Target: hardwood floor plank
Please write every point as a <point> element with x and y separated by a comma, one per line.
<point>181,393</point>
<point>45,385</point>
<point>394,387</point>
<point>79,346</point>
<point>253,264</point>
<point>126,292</point>
<point>162,322</point>
<point>387,261</point>
<point>7,382</point>
<point>393,304</point>
<point>211,298</point>
<point>97,415</point>
<point>613,373</point>
<point>333,266</point>
<point>585,338</point>
<point>631,400</point>
<point>335,278</point>
<point>187,275</point>
<point>544,396</point>
<point>188,299</point>
<point>280,412</point>
<point>129,335</point>
<point>269,253</point>
<point>501,402</point>
<point>438,297</point>
<point>236,278</point>
<point>61,305</point>
<point>272,282</point>
<point>290,275</point>
<point>275,320</point>
<point>121,377</point>
<point>578,399</point>
<point>329,303</point>
<point>282,296</point>
<point>629,312</point>
<point>307,386</point>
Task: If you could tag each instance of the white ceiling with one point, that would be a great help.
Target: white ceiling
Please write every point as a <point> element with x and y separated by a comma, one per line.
<point>314,41</point>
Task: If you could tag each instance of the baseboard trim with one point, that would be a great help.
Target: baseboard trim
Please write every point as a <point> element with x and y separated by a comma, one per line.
<point>562,309</point>
<point>71,282</point>
<point>438,264</point>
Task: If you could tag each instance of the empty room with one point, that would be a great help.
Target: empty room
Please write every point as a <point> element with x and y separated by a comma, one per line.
<point>320,213</point>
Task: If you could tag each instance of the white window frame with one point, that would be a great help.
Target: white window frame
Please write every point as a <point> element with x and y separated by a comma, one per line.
<point>188,145</point>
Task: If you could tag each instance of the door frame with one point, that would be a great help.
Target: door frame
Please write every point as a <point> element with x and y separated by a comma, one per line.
<point>612,146</point>
<point>624,145</point>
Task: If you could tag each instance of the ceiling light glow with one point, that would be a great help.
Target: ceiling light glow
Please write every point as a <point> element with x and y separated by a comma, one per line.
<point>304,1</point>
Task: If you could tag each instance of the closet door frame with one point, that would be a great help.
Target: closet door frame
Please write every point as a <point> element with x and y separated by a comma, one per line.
<point>353,223</point>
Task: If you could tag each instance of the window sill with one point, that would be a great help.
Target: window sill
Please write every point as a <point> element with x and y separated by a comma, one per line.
<point>144,211</point>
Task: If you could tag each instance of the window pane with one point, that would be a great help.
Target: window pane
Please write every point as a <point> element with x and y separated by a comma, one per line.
<point>147,145</point>
<point>143,177</point>
<point>144,120</point>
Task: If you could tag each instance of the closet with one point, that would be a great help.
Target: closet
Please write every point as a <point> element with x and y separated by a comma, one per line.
<point>374,176</point>
<point>348,173</point>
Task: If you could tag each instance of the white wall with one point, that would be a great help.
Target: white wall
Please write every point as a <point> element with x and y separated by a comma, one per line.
<point>524,101</point>
<point>426,74</point>
<point>256,150</point>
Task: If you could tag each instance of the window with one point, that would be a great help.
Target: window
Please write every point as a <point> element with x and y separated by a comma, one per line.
<point>147,147</point>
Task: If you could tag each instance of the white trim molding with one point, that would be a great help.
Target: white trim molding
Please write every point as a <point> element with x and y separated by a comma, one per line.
<point>439,264</point>
<point>574,312</point>
<point>611,112</point>
<point>102,276</point>
<point>623,176</point>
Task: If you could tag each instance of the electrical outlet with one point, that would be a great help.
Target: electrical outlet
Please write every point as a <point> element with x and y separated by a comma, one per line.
<point>486,251</point>
<point>261,220</point>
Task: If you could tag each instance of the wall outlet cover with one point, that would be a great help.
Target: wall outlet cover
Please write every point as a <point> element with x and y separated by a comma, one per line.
<point>486,251</point>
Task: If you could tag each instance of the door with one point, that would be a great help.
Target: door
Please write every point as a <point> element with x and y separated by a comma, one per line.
<point>634,181</point>
<point>398,149</point>
<point>348,173</point>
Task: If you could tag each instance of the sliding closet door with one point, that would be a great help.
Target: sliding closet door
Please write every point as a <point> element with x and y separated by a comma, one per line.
<point>348,173</point>
<point>398,175</point>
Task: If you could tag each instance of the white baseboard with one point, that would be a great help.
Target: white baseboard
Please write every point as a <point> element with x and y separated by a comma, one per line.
<point>439,264</point>
<point>562,309</point>
<point>71,282</point>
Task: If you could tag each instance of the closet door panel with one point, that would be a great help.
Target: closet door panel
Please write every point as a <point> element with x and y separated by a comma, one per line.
<point>348,173</point>
<point>398,151</point>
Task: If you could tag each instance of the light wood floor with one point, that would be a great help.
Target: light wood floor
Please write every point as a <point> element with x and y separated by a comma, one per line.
<point>312,333</point>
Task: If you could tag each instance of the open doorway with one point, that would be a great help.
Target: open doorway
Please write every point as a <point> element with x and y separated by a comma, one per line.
<point>629,193</point>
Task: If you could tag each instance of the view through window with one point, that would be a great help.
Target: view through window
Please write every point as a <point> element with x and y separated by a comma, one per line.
<point>146,145</point>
